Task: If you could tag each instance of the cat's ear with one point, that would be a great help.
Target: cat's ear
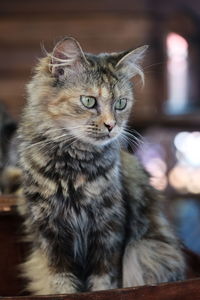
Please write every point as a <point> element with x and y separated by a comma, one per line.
<point>129,63</point>
<point>67,56</point>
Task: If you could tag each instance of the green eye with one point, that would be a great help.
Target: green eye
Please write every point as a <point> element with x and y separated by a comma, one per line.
<point>88,101</point>
<point>121,104</point>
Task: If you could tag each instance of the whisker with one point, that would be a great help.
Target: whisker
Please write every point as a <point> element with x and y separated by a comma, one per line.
<point>133,143</point>
<point>125,141</point>
<point>133,139</point>
<point>71,128</point>
<point>153,65</point>
<point>60,59</point>
<point>133,131</point>
<point>46,142</point>
<point>60,64</point>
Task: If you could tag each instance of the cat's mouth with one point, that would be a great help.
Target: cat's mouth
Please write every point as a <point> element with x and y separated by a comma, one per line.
<point>102,137</point>
<point>99,136</point>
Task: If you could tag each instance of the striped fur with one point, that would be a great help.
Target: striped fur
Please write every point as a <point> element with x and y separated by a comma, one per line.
<point>152,253</point>
<point>92,224</point>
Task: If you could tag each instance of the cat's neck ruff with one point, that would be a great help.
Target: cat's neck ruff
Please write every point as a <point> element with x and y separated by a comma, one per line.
<point>82,150</point>
<point>68,159</point>
<point>76,148</point>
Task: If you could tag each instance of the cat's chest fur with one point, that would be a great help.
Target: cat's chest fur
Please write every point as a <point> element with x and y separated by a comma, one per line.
<point>78,200</point>
<point>90,190</point>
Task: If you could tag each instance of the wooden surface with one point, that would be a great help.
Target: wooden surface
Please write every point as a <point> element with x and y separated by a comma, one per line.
<point>186,290</point>
<point>12,252</point>
<point>7,203</point>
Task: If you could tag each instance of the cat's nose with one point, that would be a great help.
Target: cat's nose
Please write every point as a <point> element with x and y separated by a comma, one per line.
<point>110,125</point>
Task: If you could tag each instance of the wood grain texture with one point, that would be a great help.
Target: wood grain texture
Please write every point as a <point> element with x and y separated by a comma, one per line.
<point>7,203</point>
<point>11,254</point>
<point>46,6</point>
<point>99,26</point>
<point>187,290</point>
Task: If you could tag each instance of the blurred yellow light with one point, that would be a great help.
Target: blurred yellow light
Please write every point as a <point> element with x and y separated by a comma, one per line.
<point>159,183</point>
<point>156,167</point>
<point>185,179</point>
<point>178,178</point>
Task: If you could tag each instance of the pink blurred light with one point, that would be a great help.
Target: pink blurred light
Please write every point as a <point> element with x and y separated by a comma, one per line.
<point>177,46</point>
<point>177,67</point>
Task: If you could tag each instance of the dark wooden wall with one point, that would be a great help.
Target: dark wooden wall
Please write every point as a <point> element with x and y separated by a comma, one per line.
<point>104,25</point>
<point>98,25</point>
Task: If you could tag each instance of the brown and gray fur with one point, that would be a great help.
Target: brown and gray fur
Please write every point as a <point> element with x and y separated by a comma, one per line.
<point>90,214</point>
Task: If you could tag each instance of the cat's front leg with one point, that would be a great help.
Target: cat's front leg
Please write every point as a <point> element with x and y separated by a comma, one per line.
<point>44,279</point>
<point>106,268</point>
<point>106,264</point>
<point>102,282</point>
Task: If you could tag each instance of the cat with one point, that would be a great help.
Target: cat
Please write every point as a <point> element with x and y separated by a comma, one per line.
<point>92,218</point>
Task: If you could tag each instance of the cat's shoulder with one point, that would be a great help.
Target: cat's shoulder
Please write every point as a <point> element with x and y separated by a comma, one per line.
<point>136,181</point>
<point>132,169</point>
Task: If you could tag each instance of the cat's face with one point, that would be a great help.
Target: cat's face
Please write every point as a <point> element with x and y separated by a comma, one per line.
<point>93,112</point>
<point>93,97</point>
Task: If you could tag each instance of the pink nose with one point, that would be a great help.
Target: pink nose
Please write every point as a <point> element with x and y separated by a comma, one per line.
<point>110,126</point>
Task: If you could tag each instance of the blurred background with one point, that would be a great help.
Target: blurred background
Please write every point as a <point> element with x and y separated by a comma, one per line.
<point>166,116</point>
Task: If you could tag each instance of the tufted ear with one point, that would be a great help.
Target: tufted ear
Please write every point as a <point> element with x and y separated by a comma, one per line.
<point>67,56</point>
<point>129,63</point>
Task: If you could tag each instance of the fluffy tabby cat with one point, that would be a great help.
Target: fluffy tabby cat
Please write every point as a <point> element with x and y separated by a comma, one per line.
<point>92,218</point>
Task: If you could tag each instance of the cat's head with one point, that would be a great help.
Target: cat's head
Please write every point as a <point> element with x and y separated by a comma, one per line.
<point>89,95</point>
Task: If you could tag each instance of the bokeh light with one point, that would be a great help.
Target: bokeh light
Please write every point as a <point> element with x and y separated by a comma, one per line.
<point>177,73</point>
<point>185,175</point>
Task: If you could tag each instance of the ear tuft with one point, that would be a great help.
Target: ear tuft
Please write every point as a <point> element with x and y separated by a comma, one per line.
<point>129,64</point>
<point>67,55</point>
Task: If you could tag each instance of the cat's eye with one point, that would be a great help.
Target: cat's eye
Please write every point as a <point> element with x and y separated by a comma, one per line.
<point>88,101</point>
<point>121,104</point>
